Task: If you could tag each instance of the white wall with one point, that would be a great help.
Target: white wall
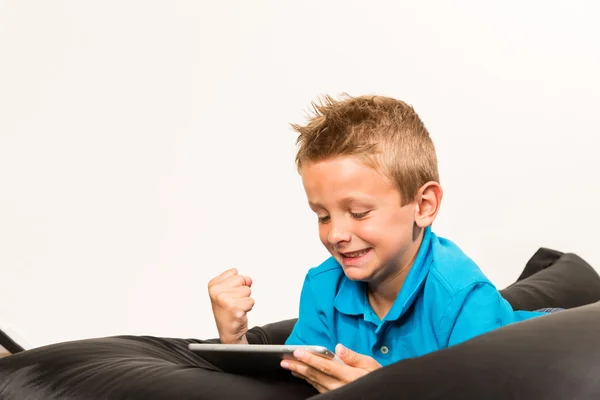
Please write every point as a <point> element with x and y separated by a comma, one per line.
<point>145,146</point>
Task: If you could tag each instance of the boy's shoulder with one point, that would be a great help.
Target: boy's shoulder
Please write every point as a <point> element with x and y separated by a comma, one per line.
<point>452,269</point>
<point>324,281</point>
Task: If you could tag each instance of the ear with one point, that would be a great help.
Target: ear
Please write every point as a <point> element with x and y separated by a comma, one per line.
<point>428,199</point>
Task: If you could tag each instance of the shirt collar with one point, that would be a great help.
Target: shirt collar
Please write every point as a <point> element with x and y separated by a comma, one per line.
<point>351,298</point>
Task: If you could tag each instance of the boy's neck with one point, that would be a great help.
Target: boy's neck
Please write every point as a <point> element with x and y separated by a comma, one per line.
<point>382,297</point>
<point>383,294</point>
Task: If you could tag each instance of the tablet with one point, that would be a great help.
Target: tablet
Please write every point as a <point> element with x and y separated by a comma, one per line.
<point>252,359</point>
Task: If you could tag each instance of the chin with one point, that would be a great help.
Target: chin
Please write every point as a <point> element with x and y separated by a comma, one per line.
<point>357,274</point>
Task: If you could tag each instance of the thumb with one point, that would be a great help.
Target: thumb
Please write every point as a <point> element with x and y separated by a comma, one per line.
<point>354,359</point>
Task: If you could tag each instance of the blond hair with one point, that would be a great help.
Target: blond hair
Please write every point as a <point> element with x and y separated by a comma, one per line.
<point>386,133</point>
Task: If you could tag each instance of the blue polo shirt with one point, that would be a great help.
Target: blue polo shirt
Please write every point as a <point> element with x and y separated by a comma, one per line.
<point>445,300</point>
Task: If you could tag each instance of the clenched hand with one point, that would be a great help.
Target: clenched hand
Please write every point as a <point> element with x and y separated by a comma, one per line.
<point>230,299</point>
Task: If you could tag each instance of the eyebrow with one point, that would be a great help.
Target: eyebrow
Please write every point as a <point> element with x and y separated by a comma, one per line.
<point>345,200</point>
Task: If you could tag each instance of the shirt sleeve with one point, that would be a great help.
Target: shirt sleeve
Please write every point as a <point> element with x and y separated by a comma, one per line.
<point>476,310</point>
<point>312,327</point>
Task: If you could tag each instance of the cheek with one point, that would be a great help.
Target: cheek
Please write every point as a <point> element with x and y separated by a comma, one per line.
<point>369,231</point>
<point>386,235</point>
<point>324,234</point>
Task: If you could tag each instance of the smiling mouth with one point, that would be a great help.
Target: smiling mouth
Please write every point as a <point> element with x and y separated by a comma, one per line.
<point>355,254</point>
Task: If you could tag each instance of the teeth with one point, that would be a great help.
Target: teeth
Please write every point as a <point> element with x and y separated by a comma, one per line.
<point>356,253</point>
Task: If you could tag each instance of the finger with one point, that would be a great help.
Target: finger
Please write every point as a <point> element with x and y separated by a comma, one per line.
<point>239,309</point>
<point>355,359</point>
<point>246,304</point>
<point>227,284</point>
<point>236,293</point>
<point>315,377</point>
<point>313,383</point>
<point>316,385</point>
<point>222,276</point>
<point>248,281</point>
<point>348,356</point>
<point>233,281</point>
<point>322,364</point>
<point>320,388</point>
<point>235,300</point>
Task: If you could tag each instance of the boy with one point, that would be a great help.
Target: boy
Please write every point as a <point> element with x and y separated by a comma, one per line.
<point>391,289</point>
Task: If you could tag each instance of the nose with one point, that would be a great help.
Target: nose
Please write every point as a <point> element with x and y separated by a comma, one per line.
<point>338,232</point>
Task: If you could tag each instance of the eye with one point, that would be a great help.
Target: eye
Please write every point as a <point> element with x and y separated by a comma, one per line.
<point>324,220</point>
<point>360,215</point>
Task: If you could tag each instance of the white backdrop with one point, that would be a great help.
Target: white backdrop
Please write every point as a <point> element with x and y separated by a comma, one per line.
<point>145,145</point>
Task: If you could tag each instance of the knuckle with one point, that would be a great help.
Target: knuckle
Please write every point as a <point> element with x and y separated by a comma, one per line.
<point>325,369</point>
<point>224,300</point>
<point>247,304</point>
<point>221,297</point>
<point>230,304</point>
<point>213,292</point>
<point>310,374</point>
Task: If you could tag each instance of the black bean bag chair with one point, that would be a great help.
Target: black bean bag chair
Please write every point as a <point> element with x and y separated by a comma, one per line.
<point>8,344</point>
<point>556,356</point>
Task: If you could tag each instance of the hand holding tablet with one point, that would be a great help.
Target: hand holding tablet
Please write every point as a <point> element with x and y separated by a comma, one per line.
<point>253,358</point>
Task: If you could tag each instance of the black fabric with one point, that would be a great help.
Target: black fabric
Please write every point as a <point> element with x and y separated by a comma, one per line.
<point>542,259</point>
<point>10,345</point>
<point>560,280</point>
<point>551,357</point>
<point>132,368</point>
<point>554,357</point>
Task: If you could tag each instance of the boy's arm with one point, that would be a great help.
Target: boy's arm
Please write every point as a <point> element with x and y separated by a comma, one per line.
<point>476,310</point>
<point>312,325</point>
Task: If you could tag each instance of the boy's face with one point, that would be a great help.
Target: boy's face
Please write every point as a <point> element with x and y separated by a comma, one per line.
<point>361,220</point>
